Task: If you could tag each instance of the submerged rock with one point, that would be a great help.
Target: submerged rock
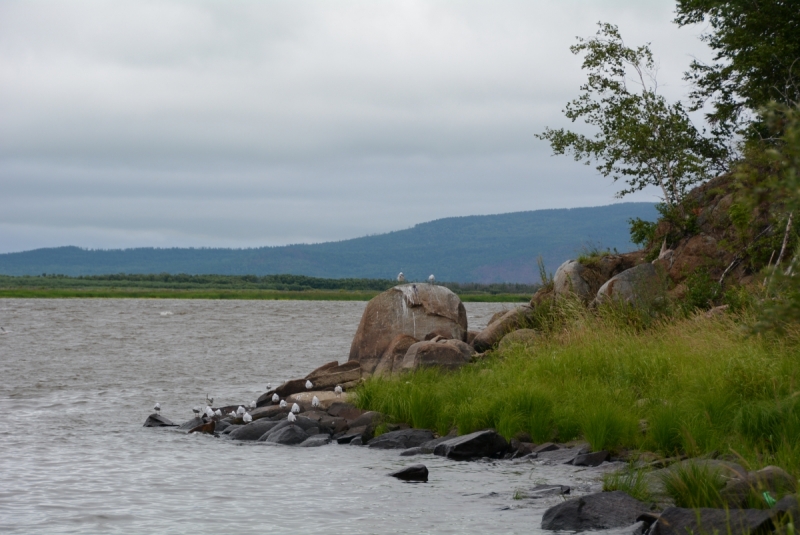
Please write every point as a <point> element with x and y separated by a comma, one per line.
<point>680,521</point>
<point>603,510</point>
<point>156,420</point>
<point>191,424</point>
<point>207,428</point>
<point>416,472</point>
<point>253,430</point>
<point>314,441</point>
<point>288,436</point>
<point>401,439</point>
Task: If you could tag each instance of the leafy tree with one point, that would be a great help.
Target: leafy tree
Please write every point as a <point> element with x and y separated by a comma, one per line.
<point>641,137</point>
<point>757,59</point>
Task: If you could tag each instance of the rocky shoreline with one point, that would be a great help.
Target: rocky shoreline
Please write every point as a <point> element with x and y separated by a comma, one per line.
<point>418,325</point>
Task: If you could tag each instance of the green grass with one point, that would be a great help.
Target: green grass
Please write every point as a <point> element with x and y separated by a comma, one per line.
<point>631,481</point>
<point>694,486</point>
<point>701,386</point>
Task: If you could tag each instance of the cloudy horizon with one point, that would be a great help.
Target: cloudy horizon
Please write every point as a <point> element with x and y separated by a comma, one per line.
<point>188,124</point>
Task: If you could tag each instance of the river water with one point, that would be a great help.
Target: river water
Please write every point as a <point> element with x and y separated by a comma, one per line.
<point>78,377</point>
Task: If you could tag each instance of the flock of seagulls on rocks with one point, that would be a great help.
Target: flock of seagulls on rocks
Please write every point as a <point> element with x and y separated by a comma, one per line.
<point>402,278</point>
<point>246,417</point>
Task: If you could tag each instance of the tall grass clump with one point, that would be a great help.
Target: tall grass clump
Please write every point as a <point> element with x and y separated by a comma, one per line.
<point>620,379</point>
<point>694,485</point>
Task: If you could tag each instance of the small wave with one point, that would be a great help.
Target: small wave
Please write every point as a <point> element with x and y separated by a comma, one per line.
<point>166,313</point>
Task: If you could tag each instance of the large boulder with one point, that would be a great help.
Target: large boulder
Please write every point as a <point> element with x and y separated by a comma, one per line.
<point>448,354</point>
<point>584,279</point>
<point>326,399</point>
<point>392,360</point>
<point>512,320</point>
<point>603,510</point>
<point>486,443</point>
<point>415,310</point>
<point>522,337</point>
<point>288,436</point>
<point>156,420</point>
<point>640,284</point>
<point>415,472</point>
<point>751,488</point>
<point>253,430</point>
<point>401,439</point>
<point>569,280</point>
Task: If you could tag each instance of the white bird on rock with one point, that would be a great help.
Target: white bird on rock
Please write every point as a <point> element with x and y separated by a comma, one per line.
<point>196,411</point>
<point>309,385</point>
<point>218,413</point>
<point>240,411</point>
<point>295,408</point>
<point>269,387</point>
<point>431,279</point>
<point>252,405</point>
<point>247,418</point>
<point>291,417</point>
<point>283,403</point>
<point>338,390</point>
<point>315,401</point>
<point>233,415</point>
<point>209,400</point>
<point>209,412</point>
<point>157,408</point>
<point>275,398</point>
<point>401,277</point>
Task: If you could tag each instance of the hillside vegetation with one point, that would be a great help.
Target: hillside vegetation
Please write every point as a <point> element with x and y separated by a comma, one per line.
<point>485,249</point>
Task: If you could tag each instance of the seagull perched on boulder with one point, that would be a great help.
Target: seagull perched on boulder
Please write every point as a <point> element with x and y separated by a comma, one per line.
<point>157,408</point>
<point>315,402</point>
<point>309,385</point>
<point>401,277</point>
<point>247,418</point>
<point>291,417</point>
<point>338,390</point>
<point>209,400</point>
<point>196,411</point>
<point>252,405</point>
<point>240,411</point>
<point>233,415</point>
<point>269,387</point>
<point>431,279</point>
<point>283,403</point>
<point>218,413</point>
<point>209,412</point>
<point>275,398</point>
<point>295,408</point>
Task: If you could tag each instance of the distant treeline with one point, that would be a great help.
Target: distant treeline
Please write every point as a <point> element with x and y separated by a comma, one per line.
<point>294,283</point>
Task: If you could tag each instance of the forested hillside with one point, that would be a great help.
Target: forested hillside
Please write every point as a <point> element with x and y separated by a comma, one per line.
<point>486,249</point>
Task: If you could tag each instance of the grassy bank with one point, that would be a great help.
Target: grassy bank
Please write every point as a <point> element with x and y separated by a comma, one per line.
<point>688,385</point>
<point>216,293</point>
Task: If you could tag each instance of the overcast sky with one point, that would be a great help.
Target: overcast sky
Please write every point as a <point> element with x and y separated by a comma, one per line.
<point>242,124</point>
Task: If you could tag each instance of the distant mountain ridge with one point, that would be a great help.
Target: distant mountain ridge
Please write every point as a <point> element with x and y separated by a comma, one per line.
<point>485,248</point>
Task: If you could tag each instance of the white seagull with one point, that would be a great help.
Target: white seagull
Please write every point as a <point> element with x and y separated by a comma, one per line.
<point>240,411</point>
<point>315,402</point>
<point>233,415</point>
<point>295,408</point>
<point>247,418</point>
<point>283,403</point>
<point>252,405</point>
<point>209,412</point>
<point>269,387</point>
<point>196,411</point>
<point>309,385</point>
<point>291,417</point>
<point>275,398</point>
<point>401,277</point>
<point>157,408</point>
<point>218,413</point>
<point>209,400</point>
<point>431,279</point>
<point>338,390</point>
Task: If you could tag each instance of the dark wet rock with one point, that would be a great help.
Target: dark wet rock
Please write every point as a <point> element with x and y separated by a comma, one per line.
<point>547,446</point>
<point>350,434</point>
<point>301,422</point>
<point>222,425</point>
<point>357,441</point>
<point>635,529</point>
<point>415,472</point>
<point>288,436</point>
<point>413,451</point>
<point>207,428</point>
<point>369,419</point>
<point>231,428</point>
<point>315,441</point>
<point>680,521</point>
<point>156,420</point>
<point>414,310</point>
<point>603,510</point>
<point>591,459</point>
<point>540,491</point>
<point>312,431</point>
<point>401,439</point>
<point>561,456</point>
<point>270,411</point>
<point>191,424</point>
<point>439,352</point>
<point>253,430</point>
<point>519,449</point>
<point>486,443</point>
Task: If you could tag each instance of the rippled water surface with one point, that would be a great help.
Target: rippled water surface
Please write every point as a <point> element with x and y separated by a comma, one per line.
<point>79,377</point>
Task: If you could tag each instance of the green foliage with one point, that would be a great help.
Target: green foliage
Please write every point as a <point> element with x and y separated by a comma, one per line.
<point>757,47</point>
<point>694,485</point>
<point>631,481</point>
<point>642,232</point>
<point>702,290</point>
<point>640,137</point>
